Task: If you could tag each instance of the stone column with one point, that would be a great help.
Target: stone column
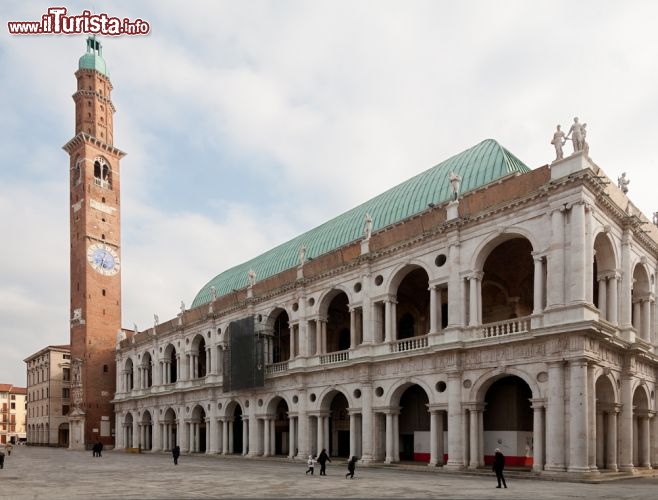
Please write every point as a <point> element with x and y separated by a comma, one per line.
<point>644,440</point>
<point>433,310</point>
<point>577,253</point>
<point>389,438</point>
<point>455,438</point>
<point>302,434</point>
<point>135,433</point>
<point>266,437</point>
<point>626,425</point>
<point>388,329</point>
<point>538,285</point>
<point>555,418</point>
<point>440,445</point>
<point>611,459</point>
<point>454,285</point>
<point>626,281</point>
<point>555,261</point>
<point>255,443</point>
<point>292,433</point>
<point>473,300</point>
<point>396,436</point>
<point>367,425</point>
<point>474,440</point>
<point>603,297</point>
<point>352,327</point>
<point>613,302</point>
<point>537,434</point>
<point>434,417</point>
<point>325,433</point>
<point>591,417</point>
<point>646,319</point>
<point>352,434</point>
<point>246,444</point>
<point>578,421</point>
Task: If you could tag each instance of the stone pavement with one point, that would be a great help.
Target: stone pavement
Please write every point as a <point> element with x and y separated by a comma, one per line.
<point>51,473</point>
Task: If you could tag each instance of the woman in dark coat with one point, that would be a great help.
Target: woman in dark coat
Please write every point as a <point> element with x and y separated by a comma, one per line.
<point>322,460</point>
<point>351,465</point>
<point>498,466</point>
<point>175,451</point>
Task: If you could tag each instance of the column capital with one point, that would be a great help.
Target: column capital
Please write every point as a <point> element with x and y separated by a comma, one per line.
<point>537,403</point>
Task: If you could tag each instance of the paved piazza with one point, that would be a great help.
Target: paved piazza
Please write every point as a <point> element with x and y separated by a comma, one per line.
<point>50,473</point>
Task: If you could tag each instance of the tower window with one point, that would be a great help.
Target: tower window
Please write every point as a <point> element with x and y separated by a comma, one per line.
<point>106,368</point>
<point>102,173</point>
<point>103,292</point>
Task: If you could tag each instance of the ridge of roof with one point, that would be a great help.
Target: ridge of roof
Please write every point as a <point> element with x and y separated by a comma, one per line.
<point>477,166</point>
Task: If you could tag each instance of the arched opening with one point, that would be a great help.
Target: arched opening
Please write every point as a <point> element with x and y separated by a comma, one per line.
<point>281,338</point>
<point>508,281</point>
<point>339,427</point>
<point>146,441</point>
<point>170,428</point>
<point>603,270</point>
<point>641,429</point>
<point>198,430</point>
<point>606,425</point>
<point>508,421</point>
<point>641,302</point>
<point>147,370</point>
<point>338,322</point>
<point>171,364</point>
<point>200,355</point>
<point>129,375</point>
<point>413,305</point>
<point>238,444</point>
<point>128,431</point>
<point>102,173</point>
<point>281,428</point>
<point>414,425</point>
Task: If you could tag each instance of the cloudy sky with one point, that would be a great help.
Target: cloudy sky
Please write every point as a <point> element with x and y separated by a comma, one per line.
<point>247,123</point>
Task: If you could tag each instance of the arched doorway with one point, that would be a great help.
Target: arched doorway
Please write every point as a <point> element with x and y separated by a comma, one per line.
<point>128,431</point>
<point>606,424</point>
<point>508,421</point>
<point>171,365</point>
<point>641,429</point>
<point>198,430</point>
<point>170,430</point>
<point>238,443</point>
<point>147,431</point>
<point>414,425</point>
<point>281,429</point>
<point>339,427</point>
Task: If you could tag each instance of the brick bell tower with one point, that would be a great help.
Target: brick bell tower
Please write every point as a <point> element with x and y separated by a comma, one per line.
<point>95,226</point>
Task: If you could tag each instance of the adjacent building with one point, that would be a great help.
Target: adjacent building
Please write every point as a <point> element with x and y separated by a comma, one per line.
<point>479,305</point>
<point>12,414</point>
<point>49,396</point>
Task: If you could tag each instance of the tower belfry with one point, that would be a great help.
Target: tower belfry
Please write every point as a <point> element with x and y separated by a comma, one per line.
<point>95,236</point>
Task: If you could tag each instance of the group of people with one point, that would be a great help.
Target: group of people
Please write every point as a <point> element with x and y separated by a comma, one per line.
<point>97,449</point>
<point>323,458</point>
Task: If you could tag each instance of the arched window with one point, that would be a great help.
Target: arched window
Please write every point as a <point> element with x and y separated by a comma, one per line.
<point>102,173</point>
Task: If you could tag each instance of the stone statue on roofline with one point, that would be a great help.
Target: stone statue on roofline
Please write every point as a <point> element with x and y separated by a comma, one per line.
<point>558,141</point>
<point>302,255</point>
<point>623,182</point>
<point>455,181</point>
<point>213,293</point>
<point>367,226</point>
<point>251,277</point>
<point>655,218</point>
<point>182,307</point>
<point>577,135</point>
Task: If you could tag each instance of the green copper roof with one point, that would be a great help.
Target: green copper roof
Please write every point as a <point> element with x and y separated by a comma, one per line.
<point>477,166</point>
<point>93,59</point>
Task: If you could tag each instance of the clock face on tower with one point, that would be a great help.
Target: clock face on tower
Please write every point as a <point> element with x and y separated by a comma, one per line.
<point>103,258</point>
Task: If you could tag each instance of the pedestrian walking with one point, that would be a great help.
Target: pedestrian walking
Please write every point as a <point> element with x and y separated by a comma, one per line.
<point>175,452</point>
<point>351,465</point>
<point>311,465</point>
<point>322,460</point>
<point>94,450</point>
<point>8,448</point>
<point>498,466</point>
<point>100,448</point>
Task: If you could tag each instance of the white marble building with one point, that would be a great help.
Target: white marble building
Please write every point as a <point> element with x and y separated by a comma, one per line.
<point>511,308</point>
